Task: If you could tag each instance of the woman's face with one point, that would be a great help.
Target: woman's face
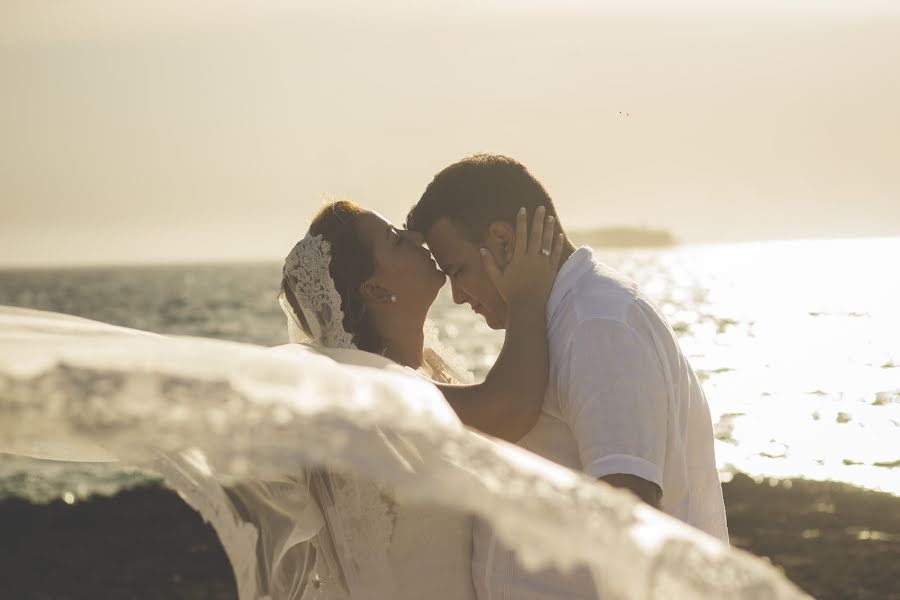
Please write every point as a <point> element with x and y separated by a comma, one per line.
<point>403,267</point>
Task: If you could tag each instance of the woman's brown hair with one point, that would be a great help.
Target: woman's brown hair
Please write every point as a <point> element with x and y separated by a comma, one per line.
<point>352,262</point>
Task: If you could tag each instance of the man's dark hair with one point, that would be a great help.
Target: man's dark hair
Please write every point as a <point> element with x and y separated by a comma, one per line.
<point>477,191</point>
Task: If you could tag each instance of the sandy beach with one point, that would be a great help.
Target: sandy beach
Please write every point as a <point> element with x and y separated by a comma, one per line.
<point>835,541</point>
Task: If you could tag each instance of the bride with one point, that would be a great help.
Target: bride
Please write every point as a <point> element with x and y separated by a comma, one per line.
<point>357,282</point>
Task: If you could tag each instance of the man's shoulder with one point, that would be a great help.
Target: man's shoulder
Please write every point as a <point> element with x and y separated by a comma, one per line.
<point>604,293</point>
<point>599,297</point>
<point>604,300</point>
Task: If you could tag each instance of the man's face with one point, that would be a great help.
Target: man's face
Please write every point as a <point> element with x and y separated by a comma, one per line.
<point>461,260</point>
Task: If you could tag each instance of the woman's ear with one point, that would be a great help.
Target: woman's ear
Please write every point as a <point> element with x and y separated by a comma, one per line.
<point>373,293</point>
<point>501,240</point>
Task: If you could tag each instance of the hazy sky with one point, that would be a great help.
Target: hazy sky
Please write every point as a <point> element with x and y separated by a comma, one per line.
<point>139,131</point>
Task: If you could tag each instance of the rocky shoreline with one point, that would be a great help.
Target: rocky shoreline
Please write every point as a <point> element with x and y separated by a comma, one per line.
<point>835,541</point>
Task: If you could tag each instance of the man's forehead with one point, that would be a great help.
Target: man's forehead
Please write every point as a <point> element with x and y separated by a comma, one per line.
<point>444,240</point>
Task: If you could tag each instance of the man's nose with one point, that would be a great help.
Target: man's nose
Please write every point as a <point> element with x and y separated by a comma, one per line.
<point>415,237</point>
<point>459,295</point>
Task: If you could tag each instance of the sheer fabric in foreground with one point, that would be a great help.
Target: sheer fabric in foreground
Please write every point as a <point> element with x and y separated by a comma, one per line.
<point>224,422</point>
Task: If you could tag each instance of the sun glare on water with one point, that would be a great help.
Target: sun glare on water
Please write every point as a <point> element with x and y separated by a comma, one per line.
<point>797,345</point>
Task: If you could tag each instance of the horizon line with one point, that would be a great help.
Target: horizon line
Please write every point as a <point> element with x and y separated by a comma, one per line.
<point>274,260</point>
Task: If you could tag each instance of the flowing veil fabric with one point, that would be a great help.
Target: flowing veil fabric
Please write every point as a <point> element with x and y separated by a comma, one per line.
<point>224,422</point>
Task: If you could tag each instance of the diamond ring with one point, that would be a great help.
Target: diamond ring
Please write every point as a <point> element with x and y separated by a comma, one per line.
<point>545,252</point>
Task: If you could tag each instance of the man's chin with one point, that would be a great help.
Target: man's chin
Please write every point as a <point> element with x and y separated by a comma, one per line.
<point>494,323</point>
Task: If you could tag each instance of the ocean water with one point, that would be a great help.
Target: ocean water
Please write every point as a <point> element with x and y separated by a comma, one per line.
<point>797,345</point>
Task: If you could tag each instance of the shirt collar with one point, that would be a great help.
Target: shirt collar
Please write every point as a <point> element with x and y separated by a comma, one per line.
<point>578,263</point>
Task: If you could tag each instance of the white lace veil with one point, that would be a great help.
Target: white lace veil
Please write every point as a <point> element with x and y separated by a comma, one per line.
<point>306,273</point>
<point>205,413</point>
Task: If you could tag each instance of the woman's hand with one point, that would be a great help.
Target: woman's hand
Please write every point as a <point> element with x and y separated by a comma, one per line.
<point>530,273</point>
<point>508,403</point>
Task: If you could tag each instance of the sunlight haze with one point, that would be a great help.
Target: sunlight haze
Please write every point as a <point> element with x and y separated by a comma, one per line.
<point>213,131</point>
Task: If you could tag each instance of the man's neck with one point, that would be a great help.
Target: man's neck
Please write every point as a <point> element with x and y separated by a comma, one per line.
<point>568,250</point>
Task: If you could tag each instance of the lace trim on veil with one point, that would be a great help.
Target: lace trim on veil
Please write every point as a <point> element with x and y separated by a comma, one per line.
<point>307,273</point>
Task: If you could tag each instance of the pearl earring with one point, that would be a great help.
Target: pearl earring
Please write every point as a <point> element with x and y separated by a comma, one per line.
<point>393,298</point>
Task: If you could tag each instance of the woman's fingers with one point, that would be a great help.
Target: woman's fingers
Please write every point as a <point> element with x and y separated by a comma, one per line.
<point>537,229</point>
<point>549,228</point>
<point>521,232</point>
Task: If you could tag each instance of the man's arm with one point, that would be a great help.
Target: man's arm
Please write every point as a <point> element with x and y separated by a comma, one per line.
<point>615,400</point>
<point>643,489</point>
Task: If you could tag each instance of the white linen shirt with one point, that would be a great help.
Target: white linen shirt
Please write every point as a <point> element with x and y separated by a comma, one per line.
<point>621,398</point>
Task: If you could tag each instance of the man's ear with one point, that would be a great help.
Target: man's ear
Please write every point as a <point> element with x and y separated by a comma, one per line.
<point>501,240</point>
<point>373,293</point>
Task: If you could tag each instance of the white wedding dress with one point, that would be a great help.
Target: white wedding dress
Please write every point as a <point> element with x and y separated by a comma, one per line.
<point>335,535</point>
<point>373,546</point>
<point>368,545</point>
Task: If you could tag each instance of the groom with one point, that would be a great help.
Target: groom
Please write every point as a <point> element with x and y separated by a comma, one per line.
<point>622,403</point>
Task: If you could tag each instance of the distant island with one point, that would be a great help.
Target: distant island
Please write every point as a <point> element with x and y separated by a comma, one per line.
<point>623,237</point>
